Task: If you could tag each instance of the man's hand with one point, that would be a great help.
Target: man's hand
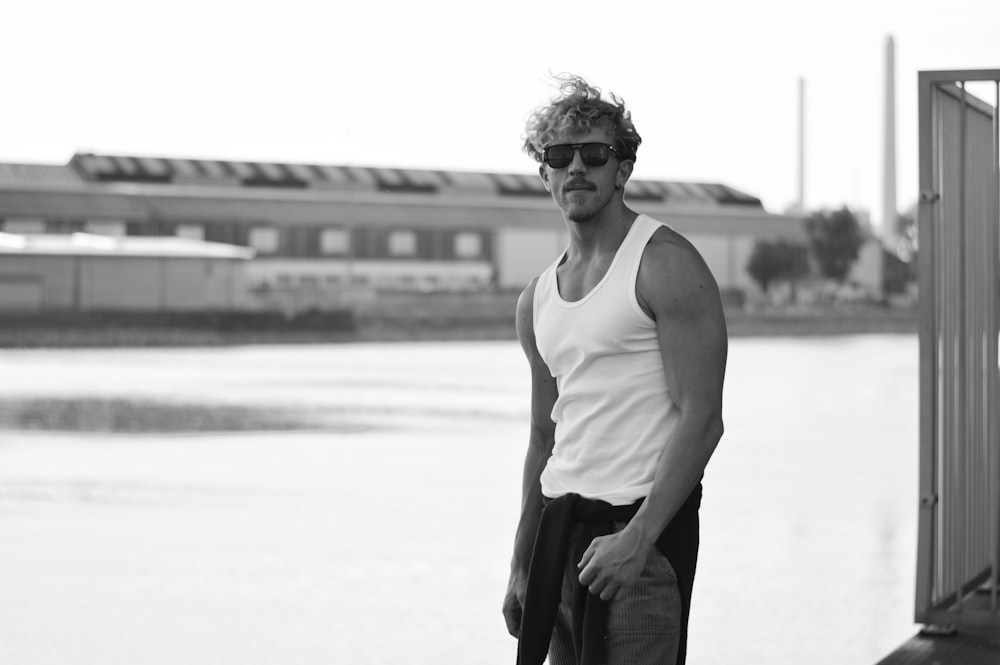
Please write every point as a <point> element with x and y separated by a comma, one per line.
<point>612,564</point>
<point>513,602</point>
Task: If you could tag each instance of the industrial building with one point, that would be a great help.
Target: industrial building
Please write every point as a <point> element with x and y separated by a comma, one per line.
<point>323,236</point>
<point>87,272</point>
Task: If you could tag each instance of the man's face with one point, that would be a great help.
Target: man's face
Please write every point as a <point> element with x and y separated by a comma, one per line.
<point>582,191</point>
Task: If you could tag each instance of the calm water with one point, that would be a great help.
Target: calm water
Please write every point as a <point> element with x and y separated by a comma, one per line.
<point>355,504</point>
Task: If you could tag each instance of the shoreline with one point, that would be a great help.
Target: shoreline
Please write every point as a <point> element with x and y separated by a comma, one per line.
<point>142,332</point>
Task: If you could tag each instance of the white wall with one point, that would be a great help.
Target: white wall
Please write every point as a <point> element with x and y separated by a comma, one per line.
<point>867,270</point>
<point>522,254</point>
<point>726,256</point>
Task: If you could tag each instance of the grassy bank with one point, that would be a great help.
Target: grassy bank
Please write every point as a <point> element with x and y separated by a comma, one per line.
<point>393,317</point>
<point>854,321</point>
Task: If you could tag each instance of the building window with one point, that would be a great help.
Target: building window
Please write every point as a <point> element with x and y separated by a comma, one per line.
<point>468,245</point>
<point>335,241</point>
<point>402,243</point>
<point>24,225</point>
<point>63,226</point>
<point>192,231</point>
<point>105,227</point>
<point>264,240</point>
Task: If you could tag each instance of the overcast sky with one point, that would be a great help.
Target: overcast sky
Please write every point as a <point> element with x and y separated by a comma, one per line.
<point>442,84</point>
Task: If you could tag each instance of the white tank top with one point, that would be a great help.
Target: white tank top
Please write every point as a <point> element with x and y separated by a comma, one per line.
<point>614,412</point>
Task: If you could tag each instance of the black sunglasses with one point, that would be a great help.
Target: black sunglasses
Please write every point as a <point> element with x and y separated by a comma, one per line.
<point>593,154</point>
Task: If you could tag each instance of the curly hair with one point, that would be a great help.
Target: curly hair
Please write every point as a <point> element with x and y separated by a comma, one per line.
<point>577,109</point>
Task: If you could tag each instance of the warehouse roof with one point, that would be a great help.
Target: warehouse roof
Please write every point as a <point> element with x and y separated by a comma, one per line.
<point>34,173</point>
<point>273,175</point>
<point>97,245</point>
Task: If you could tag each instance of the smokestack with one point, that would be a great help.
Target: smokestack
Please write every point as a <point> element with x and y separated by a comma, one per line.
<point>889,148</point>
<point>801,205</point>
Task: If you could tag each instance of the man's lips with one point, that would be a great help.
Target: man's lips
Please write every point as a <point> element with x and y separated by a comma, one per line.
<point>578,186</point>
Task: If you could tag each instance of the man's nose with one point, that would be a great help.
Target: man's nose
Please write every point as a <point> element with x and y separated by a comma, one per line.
<point>577,165</point>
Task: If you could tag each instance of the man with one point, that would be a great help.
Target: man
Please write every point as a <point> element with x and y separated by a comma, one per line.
<point>626,341</point>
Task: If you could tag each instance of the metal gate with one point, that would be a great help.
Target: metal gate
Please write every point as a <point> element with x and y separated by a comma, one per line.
<point>958,556</point>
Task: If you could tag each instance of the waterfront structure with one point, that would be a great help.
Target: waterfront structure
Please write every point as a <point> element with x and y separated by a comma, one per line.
<point>324,235</point>
<point>83,272</point>
<point>958,552</point>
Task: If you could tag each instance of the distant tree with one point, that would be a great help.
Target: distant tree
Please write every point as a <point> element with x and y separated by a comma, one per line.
<point>897,274</point>
<point>906,232</point>
<point>835,239</point>
<point>899,262</point>
<point>777,260</point>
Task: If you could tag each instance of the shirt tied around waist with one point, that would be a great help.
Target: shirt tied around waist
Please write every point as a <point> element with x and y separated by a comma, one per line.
<point>678,542</point>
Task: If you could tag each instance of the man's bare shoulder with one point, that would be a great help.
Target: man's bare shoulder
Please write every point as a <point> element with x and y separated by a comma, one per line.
<point>672,272</point>
<point>525,301</point>
<point>670,254</point>
<point>524,319</point>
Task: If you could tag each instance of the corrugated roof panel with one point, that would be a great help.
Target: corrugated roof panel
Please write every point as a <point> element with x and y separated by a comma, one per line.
<point>637,189</point>
<point>243,170</point>
<point>644,190</point>
<point>333,174</point>
<point>676,191</point>
<point>389,178</point>
<point>154,166</point>
<point>730,196</point>
<point>104,165</point>
<point>184,168</point>
<point>88,164</point>
<point>125,166</point>
<point>300,172</point>
<point>506,181</point>
<point>213,168</point>
<point>271,171</point>
<point>473,181</point>
<point>423,179</point>
<point>531,183</point>
<point>94,167</point>
<point>339,175</point>
<point>659,188</point>
<point>37,173</point>
<point>362,175</point>
<point>697,191</point>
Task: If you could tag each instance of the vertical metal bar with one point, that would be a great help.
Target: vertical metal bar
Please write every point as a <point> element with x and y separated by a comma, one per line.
<point>993,341</point>
<point>928,490</point>
<point>962,440</point>
<point>980,498</point>
<point>945,317</point>
<point>985,290</point>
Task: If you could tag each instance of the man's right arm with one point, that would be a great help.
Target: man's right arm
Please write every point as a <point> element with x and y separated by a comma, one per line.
<point>540,442</point>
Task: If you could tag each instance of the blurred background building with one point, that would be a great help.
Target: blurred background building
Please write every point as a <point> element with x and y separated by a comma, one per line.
<point>130,232</point>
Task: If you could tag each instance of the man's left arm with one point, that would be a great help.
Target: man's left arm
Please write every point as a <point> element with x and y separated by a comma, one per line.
<point>676,287</point>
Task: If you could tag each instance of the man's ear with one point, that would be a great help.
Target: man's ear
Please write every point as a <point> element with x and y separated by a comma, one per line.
<point>544,175</point>
<point>624,172</point>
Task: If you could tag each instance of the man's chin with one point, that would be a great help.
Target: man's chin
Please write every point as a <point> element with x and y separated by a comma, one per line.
<point>580,216</point>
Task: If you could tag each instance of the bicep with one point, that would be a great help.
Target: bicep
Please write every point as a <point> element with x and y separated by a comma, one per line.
<point>543,386</point>
<point>543,398</point>
<point>691,328</point>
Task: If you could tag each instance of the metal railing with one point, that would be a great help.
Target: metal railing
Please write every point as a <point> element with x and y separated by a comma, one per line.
<point>958,556</point>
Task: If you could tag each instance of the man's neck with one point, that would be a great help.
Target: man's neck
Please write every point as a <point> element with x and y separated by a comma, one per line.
<point>602,234</point>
